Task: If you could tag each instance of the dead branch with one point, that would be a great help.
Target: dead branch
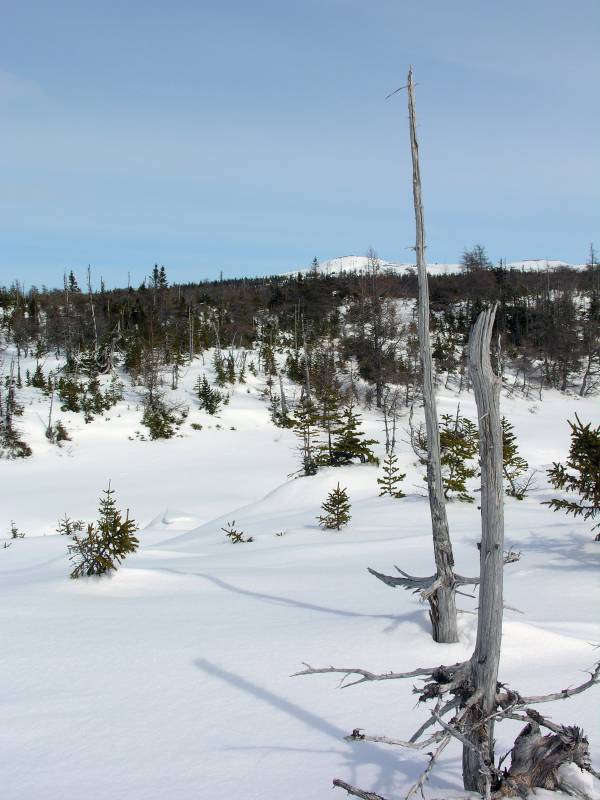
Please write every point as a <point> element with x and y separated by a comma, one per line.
<point>424,776</point>
<point>357,736</point>
<point>428,585</point>
<point>431,721</point>
<point>357,792</point>
<point>507,699</point>
<point>484,768</point>
<point>365,675</point>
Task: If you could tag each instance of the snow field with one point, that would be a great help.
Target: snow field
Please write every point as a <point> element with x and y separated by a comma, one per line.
<point>171,678</point>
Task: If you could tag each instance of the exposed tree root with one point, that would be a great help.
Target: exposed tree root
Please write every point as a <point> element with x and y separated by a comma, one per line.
<point>535,758</point>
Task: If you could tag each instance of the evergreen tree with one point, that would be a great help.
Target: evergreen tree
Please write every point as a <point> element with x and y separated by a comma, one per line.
<point>459,445</point>
<point>580,475</point>
<point>72,284</point>
<point>330,420</point>
<point>336,508</point>
<point>513,465</point>
<point>210,399</point>
<point>220,370</point>
<point>37,379</point>
<point>163,283</point>
<point>155,277</point>
<point>11,443</point>
<point>160,417</point>
<point>106,543</point>
<point>234,535</point>
<point>392,477</point>
<point>459,442</point>
<point>305,425</point>
<point>349,442</point>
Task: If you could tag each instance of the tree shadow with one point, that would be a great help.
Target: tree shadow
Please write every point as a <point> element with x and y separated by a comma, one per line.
<point>393,771</point>
<point>418,616</point>
<point>572,553</point>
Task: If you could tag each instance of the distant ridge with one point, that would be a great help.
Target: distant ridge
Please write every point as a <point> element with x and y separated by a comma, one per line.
<point>360,264</point>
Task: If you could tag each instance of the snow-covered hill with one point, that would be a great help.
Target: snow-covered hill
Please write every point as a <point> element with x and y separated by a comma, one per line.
<point>171,679</point>
<point>360,264</point>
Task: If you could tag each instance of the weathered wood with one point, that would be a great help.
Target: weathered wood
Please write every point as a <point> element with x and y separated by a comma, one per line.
<point>442,601</point>
<point>486,656</point>
<point>536,759</point>
<point>353,790</point>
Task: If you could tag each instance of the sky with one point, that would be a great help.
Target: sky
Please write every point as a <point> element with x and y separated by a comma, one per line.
<point>249,137</point>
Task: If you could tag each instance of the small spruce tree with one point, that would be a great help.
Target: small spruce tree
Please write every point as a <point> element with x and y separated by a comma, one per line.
<point>580,475</point>
<point>459,442</point>
<point>72,284</point>
<point>513,464</point>
<point>336,508</point>
<point>234,535</point>
<point>392,477</point>
<point>210,399</point>
<point>349,442</point>
<point>305,425</point>
<point>220,369</point>
<point>106,543</point>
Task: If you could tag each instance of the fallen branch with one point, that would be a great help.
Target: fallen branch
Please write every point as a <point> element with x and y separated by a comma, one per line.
<point>431,721</point>
<point>357,736</point>
<point>424,776</point>
<point>357,792</point>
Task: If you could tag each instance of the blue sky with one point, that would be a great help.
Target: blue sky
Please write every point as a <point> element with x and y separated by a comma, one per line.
<point>249,137</point>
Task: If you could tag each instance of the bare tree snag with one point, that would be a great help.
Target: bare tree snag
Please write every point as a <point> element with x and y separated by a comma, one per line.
<point>442,601</point>
<point>486,657</point>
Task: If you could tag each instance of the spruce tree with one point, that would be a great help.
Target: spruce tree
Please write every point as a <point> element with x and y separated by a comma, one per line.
<point>163,283</point>
<point>336,508</point>
<point>305,426</point>
<point>219,367</point>
<point>210,399</point>
<point>106,543</point>
<point>349,442</point>
<point>459,442</point>
<point>580,475</point>
<point>37,379</point>
<point>11,443</point>
<point>513,465</point>
<point>392,477</point>
<point>330,421</point>
<point>72,284</point>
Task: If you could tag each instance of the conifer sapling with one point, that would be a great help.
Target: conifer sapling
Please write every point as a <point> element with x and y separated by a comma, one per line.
<point>336,508</point>
<point>392,477</point>
<point>580,475</point>
<point>106,543</point>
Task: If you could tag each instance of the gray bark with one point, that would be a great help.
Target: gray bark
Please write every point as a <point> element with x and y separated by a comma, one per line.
<point>486,657</point>
<point>443,601</point>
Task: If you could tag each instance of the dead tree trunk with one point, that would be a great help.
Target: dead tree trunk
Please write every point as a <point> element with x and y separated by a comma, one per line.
<point>91,296</point>
<point>440,591</point>
<point>486,657</point>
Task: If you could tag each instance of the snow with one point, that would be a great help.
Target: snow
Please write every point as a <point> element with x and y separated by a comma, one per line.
<point>361,264</point>
<point>171,678</point>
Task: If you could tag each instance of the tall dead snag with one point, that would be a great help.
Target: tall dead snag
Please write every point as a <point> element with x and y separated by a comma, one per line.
<point>439,590</point>
<point>468,698</point>
<point>486,657</point>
